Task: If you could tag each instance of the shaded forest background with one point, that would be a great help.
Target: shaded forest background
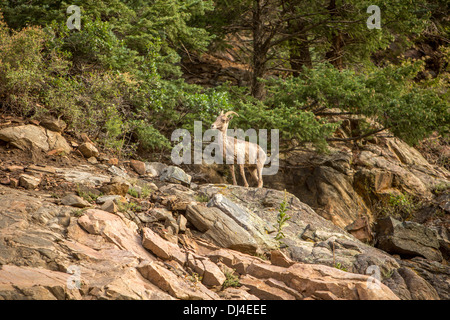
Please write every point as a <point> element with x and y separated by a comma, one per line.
<point>137,70</point>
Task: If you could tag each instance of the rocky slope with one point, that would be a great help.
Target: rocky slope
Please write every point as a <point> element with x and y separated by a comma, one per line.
<point>75,224</point>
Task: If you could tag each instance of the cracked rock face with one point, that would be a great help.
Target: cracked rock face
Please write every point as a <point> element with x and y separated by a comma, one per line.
<point>41,258</point>
<point>187,241</point>
<point>407,238</point>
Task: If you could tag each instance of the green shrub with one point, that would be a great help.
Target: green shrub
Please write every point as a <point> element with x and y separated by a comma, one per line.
<point>282,219</point>
<point>400,206</point>
<point>231,280</point>
<point>389,95</point>
<point>22,77</point>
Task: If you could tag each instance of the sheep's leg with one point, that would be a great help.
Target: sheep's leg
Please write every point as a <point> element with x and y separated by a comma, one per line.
<point>233,176</point>
<point>260,180</point>
<point>254,174</point>
<point>241,168</point>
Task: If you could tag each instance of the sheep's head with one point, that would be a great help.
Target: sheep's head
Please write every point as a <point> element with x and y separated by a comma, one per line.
<point>222,120</point>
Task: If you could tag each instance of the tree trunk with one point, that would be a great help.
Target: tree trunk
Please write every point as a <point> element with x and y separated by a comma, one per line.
<point>259,52</point>
<point>259,69</point>
<point>335,55</point>
<point>299,54</point>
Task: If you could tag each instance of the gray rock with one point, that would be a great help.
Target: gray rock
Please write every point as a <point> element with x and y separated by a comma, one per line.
<point>118,172</point>
<point>83,177</point>
<point>30,136</point>
<point>417,286</point>
<point>172,225</point>
<point>53,124</point>
<point>161,214</point>
<point>29,182</point>
<point>109,206</point>
<point>246,219</point>
<point>220,228</point>
<point>88,150</point>
<point>145,218</point>
<point>74,201</point>
<point>154,169</point>
<point>174,174</point>
<point>181,221</point>
<point>443,202</point>
<point>407,239</point>
<point>397,284</point>
<point>308,236</point>
<point>435,273</point>
<point>113,197</point>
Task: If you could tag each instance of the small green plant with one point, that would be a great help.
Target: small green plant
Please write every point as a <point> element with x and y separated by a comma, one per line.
<point>146,191</point>
<point>282,219</point>
<point>262,255</point>
<point>133,192</point>
<point>339,266</point>
<point>88,196</point>
<point>194,278</point>
<point>388,274</point>
<point>78,212</point>
<point>441,187</point>
<point>133,206</point>
<point>201,198</point>
<point>400,206</point>
<point>231,280</point>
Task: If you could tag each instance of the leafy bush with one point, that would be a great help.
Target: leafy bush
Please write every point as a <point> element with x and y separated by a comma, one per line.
<point>388,95</point>
<point>118,78</point>
<point>22,77</point>
<point>400,206</point>
<point>232,280</point>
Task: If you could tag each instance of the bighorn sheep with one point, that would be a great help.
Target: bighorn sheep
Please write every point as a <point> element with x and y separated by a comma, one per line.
<point>250,155</point>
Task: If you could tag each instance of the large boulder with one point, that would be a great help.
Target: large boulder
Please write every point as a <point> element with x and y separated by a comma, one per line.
<point>247,220</point>
<point>220,228</point>
<point>116,186</point>
<point>29,182</point>
<point>33,137</point>
<point>74,201</point>
<point>407,239</point>
<point>174,174</point>
<point>88,150</point>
